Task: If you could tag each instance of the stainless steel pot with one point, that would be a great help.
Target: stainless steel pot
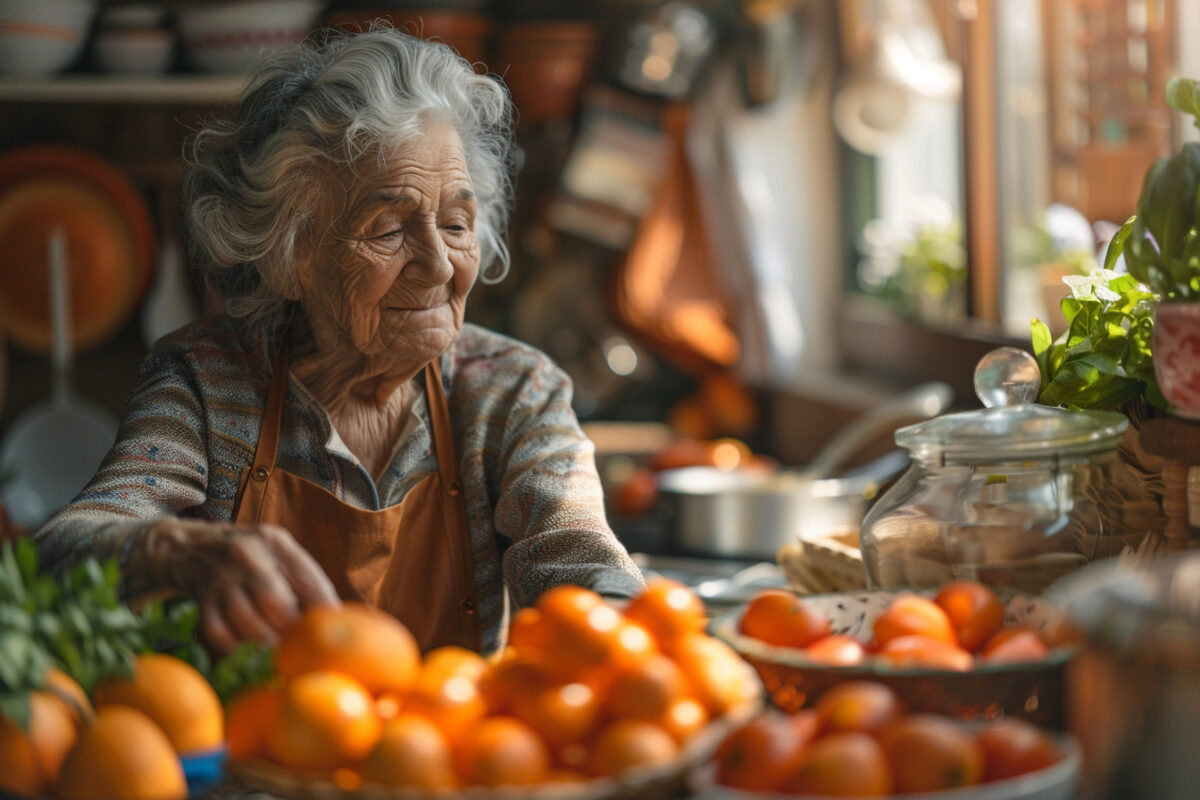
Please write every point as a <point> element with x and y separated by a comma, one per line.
<point>1133,691</point>
<point>744,514</point>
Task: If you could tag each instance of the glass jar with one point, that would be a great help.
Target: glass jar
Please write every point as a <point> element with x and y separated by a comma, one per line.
<point>1013,496</point>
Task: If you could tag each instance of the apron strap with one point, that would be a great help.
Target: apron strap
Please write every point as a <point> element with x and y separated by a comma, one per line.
<point>443,434</point>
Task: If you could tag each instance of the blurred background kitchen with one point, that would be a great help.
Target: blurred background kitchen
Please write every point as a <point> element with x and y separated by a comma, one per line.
<point>740,223</point>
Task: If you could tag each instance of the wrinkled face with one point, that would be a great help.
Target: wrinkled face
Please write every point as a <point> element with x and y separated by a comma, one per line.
<point>399,286</point>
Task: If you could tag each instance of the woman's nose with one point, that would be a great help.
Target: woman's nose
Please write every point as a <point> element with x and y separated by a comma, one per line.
<point>430,258</point>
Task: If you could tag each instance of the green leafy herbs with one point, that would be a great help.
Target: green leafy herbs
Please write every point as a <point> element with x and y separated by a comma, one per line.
<point>1161,242</point>
<point>79,623</point>
<point>1103,359</point>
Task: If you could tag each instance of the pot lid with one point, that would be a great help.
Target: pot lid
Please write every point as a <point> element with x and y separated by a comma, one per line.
<point>1130,604</point>
<point>1012,427</point>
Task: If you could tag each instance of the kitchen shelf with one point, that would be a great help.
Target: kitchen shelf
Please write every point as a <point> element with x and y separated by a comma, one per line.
<point>182,88</point>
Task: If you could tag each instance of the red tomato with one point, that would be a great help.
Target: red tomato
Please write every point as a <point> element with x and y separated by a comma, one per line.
<point>974,610</point>
<point>763,752</point>
<point>837,650</point>
<point>781,618</point>
<point>1012,747</point>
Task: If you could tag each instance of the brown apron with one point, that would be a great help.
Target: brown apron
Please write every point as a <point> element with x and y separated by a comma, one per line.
<point>413,560</point>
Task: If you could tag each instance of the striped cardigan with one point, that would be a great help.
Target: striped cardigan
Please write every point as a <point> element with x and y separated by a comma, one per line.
<point>534,505</point>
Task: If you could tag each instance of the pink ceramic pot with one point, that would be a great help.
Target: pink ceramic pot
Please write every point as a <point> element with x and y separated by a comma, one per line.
<point>1176,348</point>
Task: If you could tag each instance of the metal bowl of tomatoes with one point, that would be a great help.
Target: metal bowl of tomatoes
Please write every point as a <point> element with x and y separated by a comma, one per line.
<point>962,650</point>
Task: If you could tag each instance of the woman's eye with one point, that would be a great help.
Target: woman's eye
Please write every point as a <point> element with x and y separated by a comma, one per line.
<point>390,234</point>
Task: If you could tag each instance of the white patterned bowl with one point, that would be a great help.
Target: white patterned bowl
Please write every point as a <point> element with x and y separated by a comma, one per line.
<point>233,36</point>
<point>42,37</point>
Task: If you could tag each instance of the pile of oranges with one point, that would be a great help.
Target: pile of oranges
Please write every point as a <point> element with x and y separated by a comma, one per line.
<point>858,741</point>
<point>964,622</point>
<point>125,743</point>
<point>582,690</point>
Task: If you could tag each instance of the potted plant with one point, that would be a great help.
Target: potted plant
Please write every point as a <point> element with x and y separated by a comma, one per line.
<point>1160,246</point>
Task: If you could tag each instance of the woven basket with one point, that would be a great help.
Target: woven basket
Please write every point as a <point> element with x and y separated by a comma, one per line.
<point>651,783</point>
<point>831,562</point>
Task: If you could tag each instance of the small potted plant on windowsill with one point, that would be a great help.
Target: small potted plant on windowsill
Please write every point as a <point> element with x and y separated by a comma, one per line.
<point>1160,245</point>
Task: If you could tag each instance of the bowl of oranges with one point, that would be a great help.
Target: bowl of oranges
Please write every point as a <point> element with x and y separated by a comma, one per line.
<point>962,650</point>
<point>860,740</point>
<point>585,701</point>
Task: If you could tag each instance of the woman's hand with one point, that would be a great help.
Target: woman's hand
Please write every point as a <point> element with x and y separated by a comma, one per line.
<point>250,581</point>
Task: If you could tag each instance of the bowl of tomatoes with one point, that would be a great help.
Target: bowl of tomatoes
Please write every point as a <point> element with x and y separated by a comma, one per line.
<point>860,740</point>
<point>963,650</point>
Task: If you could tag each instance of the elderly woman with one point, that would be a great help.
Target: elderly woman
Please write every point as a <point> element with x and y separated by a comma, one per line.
<point>340,431</point>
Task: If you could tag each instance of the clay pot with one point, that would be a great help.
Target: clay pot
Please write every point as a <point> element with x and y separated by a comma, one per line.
<point>546,65</point>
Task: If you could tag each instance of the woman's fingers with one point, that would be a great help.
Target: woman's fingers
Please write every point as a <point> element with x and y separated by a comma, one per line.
<point>244,618</point>
<point>303,573</point>
<point>213,628</point>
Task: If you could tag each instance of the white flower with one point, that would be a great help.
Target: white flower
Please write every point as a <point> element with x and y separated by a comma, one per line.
<point>1093,285</point>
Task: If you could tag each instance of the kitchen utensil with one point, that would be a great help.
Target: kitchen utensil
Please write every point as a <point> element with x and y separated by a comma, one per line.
<point>109,234</point>
<point>54,448</point>
<point>1030,689</point>
<point>1011,495</point>
<point>42,38</point>
<point>169,303</point>
<point>748,514</point>
<point>1133,692</point>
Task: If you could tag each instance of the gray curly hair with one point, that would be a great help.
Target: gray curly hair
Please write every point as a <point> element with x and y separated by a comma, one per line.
<point>252,192</point>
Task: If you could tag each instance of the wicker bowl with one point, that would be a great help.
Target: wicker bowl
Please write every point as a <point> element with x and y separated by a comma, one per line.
<point>1032,690</point>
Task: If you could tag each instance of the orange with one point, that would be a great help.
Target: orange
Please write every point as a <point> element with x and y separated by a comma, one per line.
<point>1013,746</point>
<point>863,706</point>
<point>529,630</point>
<point>974,610</point>
<point>779,617</point>
<point>632,645</point>
<point>123,755</point>
<point>929,753</point>
<point>913,615</point>
<point>911,652</point>
<point>1015,644</point>
<point>560,714</point>
<point>361,641</point>
<point>501,751</point>
<point>326,720</point>
<point>836,650</point>
<point>249,719</point>
<point>22,773</point>
<point>57,682</point>
<point>454,660</point>
<point>684,718</point>
<point>517,673</point>
<point>646,690</point>
<point>628,743</point>
<point>637,494</point>
<point>450,701</point>
<point>847,764</point>
<point>583,628</point>
<point>761,754</point>
<point>668,609</point>
<point>716,674</point>
<point>172,693</point>
<point>410,752</point>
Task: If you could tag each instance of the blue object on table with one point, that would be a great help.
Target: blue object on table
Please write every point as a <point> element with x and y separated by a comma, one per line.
<point>203,769</point>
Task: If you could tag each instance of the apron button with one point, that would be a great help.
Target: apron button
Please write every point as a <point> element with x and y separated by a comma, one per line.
<point>467,606</point>
<point>260,473</point>
<point>453,488</point>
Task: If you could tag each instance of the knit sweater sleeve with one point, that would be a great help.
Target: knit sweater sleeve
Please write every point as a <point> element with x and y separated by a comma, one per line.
<point>156,468</point>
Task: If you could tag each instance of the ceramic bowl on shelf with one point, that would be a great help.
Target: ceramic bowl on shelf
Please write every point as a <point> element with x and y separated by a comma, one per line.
<point>231,36</point>
<point>134,51</point>
<point>1033,690</point>
<point>43,37</point>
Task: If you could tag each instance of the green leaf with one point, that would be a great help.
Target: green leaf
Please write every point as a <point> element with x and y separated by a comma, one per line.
<point>1183,94</point>
<point>1116,245</point>
<point>16,706</point>
<point>1040,336</point>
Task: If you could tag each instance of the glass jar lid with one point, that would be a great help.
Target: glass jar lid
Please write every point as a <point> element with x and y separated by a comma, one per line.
<point>1014,433</point>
